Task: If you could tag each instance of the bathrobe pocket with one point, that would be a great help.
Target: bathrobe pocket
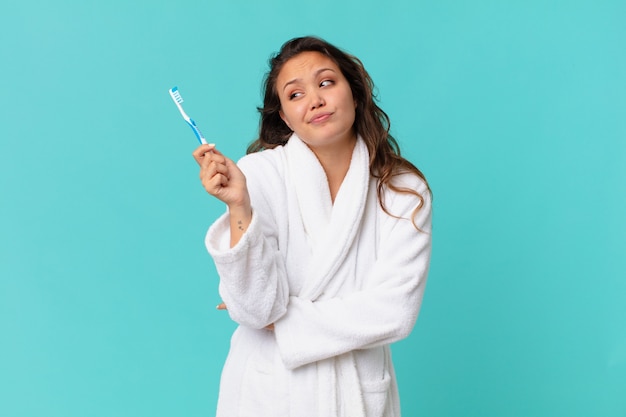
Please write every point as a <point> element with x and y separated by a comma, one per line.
<point>376,396</point>
<point>375,380</point>
<point>259,390</point>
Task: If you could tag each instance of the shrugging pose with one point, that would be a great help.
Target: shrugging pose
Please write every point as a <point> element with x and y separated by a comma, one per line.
<point>324,250</point>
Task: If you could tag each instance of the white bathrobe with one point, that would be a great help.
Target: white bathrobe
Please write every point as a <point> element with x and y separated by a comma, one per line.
<point>339,281</point>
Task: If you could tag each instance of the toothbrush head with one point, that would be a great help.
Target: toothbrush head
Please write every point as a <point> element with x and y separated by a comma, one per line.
<point>176,95</point>
<point>178,99</point>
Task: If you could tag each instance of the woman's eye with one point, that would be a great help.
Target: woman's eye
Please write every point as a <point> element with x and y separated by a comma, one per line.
<point>326,83</point>
<point>294,95</point>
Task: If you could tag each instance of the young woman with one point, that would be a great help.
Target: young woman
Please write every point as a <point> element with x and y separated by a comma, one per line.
<point>324,249</point>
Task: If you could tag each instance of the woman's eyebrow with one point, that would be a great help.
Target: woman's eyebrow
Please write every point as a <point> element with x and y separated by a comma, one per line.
<point>295,80</point>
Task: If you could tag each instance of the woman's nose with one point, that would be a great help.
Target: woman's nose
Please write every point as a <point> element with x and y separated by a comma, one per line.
<point>317,101</point>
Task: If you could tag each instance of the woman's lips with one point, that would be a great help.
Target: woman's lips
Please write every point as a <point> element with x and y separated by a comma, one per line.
<point>320,118</point>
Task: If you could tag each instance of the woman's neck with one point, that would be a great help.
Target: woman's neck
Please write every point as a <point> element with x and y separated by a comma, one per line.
<point>335,161</point>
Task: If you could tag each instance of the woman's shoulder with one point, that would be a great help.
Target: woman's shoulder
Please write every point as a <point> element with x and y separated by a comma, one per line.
<point>407,192</point>
<point>407,197</point>
<point>265,161</point>
<point>410,181</point>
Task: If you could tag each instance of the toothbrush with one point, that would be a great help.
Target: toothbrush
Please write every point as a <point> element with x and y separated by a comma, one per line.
<point>178,99</point>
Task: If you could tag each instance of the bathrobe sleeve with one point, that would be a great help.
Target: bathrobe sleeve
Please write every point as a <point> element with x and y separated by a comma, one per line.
<point>382,312</point>
<point>253,278</point>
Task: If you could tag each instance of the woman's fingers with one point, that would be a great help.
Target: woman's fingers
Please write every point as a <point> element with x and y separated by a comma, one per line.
<point>222,306</point>
<point>220,176</point>
<point>213,164</point>
<point>211,156</point>
<point>213,169</point>
<point>200,151</point>
<point>214,176</point>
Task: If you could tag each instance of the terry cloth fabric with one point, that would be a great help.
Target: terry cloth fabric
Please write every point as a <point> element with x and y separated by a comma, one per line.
<point>339,281</point>
<point>331,229</point>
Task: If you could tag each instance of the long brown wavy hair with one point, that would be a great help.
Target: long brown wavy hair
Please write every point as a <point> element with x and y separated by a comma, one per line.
<point>370,122</point>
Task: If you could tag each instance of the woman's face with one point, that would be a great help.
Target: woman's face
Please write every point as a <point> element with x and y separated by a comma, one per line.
<point>316,100</point>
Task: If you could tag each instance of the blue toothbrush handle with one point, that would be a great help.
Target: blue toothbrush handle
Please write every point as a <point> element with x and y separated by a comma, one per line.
<point>196,131</point>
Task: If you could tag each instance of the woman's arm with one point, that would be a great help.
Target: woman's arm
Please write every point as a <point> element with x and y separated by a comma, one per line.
<point>381,313</point>
<point>253,278</point>
<point>224,180</point>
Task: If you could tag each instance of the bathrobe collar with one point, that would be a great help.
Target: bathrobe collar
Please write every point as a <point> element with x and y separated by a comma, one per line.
<point>330,228</point>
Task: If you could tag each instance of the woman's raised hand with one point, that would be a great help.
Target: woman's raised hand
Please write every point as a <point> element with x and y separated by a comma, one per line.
<point>221,177</point>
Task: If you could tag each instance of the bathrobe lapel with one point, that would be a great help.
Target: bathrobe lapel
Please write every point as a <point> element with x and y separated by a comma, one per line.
<point>330,228</point>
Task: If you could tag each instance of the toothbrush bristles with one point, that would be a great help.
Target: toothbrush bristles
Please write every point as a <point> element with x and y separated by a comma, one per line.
<point>176,95</point>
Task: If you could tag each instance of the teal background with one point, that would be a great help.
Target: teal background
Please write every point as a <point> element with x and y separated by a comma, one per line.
<point>515,111</point>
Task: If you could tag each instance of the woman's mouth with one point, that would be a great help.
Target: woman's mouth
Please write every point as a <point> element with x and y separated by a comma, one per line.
<point>320,118</point>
